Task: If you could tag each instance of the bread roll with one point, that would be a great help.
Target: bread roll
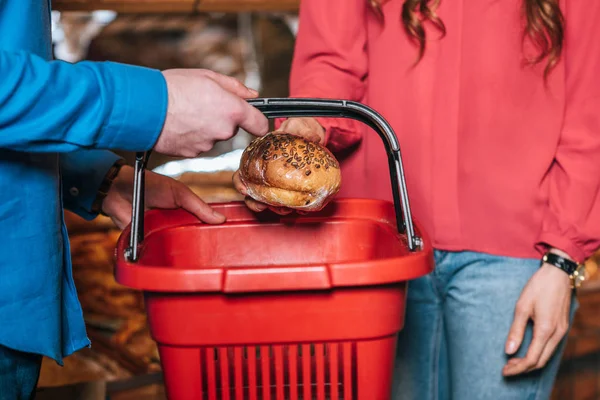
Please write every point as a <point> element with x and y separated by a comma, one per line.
<point>284,170</point>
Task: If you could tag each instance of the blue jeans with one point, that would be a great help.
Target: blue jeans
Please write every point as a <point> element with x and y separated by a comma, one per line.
<point>19,373</point>
<point>457,322</point>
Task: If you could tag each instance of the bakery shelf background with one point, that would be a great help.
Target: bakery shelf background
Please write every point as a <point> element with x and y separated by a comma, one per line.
<point>167,6</point>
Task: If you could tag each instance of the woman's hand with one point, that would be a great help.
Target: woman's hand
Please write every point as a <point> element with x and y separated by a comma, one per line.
<point>546,300</point>
<point>161,192</point>
<point>307,128</point>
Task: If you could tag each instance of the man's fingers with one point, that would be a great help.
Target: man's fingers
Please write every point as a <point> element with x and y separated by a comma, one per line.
<point>232,85</point>
<point>250,119</point>
<point>246,116</point>
<point>120,211</point>
<point>186,199</point>
<point>121,218</point>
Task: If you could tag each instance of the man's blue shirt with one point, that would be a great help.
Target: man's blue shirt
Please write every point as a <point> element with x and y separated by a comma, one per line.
<point>57,123</point>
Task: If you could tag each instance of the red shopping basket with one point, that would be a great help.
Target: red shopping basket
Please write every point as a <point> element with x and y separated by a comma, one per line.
<point>278,307</point>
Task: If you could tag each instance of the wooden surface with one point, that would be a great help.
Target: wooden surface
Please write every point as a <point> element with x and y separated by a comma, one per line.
<point>162,6</point>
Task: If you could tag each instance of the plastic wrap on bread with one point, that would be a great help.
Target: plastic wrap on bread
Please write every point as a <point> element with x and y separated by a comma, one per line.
<point>284,170</point>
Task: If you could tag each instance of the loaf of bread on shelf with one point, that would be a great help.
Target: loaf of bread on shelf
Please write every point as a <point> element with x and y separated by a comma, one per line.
<point>284,170</point>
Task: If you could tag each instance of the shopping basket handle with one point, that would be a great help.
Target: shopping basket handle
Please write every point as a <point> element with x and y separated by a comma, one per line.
<point>296,107</point>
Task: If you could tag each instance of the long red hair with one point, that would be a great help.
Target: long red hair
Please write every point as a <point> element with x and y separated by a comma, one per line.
<point>545,26</point>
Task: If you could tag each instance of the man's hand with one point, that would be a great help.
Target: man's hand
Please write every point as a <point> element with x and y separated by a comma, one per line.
<point>161,192</point>
<point>307,128</point>
<point>204,108</point>
<point>546,300</point>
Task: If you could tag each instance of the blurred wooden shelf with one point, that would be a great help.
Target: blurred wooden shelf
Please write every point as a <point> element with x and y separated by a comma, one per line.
<point>176,6</point>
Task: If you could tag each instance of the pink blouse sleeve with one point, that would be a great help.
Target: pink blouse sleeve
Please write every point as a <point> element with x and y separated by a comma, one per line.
<point>330,61</point>
<point>572,216</point>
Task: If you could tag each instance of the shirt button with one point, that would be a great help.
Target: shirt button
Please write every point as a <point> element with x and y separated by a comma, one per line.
<point>74,191</point>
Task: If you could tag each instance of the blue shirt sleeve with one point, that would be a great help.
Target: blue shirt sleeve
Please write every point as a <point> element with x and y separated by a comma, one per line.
<point>82,174</point>
<point>55,106</point>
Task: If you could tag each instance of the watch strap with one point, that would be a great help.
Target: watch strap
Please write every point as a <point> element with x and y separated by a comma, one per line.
<point>562,263</point>
<point>106,185</point>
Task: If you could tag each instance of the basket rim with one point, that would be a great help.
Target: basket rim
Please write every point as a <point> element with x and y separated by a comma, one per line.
<point>291,277</point>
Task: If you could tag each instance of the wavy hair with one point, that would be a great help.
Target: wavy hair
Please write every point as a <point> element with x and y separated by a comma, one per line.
<point>545,26</point>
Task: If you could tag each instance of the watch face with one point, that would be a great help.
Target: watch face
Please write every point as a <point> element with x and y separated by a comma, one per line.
<point>578,276</point>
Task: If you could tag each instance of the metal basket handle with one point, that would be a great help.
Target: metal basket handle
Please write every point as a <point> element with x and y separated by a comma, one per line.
<point>289,108</point>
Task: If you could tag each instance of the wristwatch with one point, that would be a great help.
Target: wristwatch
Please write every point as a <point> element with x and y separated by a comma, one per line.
<point>105,186</point>
<point>575,271</point>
